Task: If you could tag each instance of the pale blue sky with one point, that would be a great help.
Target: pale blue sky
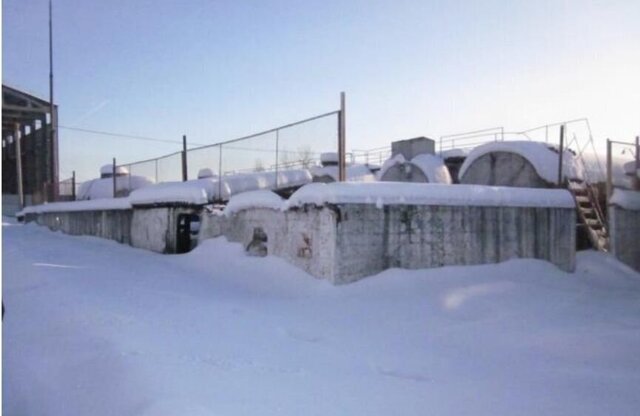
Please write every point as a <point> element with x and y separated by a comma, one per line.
<point>220,69</point>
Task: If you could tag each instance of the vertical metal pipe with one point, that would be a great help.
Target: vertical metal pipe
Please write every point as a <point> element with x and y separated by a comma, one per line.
<point>560,155</point>
<point>156,161</point>
<point>342,140</point>
<point>184,158</point>
<point>73,186</point>
<point>17,139</point>
<point>636,179</point>
<point>277,146</point>
<point>609,171</point>
<point>113,173</point>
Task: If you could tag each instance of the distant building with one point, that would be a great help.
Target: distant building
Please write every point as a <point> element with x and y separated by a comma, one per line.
<point>29,117</point>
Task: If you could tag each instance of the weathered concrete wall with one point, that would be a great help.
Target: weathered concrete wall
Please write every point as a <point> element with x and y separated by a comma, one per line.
<point>156,229</point>
<point>210,225</point>
<point>110,224</point>
<point>370,240</point>
<point>347,242</point>
<point>503,169</point>
<point>624,230</point>
<point>405,172</point>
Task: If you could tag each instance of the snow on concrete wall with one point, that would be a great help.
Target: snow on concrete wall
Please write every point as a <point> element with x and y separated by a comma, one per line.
<point>348,241</point>
<point>624,227</point>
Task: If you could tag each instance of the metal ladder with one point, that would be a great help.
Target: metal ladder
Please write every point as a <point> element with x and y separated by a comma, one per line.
<point>590,215</point>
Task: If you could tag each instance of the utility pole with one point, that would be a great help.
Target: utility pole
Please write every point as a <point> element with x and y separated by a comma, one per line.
<point>16,139</point>
<point>53,112</point>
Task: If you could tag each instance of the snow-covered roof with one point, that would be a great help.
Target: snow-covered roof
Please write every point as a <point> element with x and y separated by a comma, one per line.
<point>202,191</point>
<point>542,156</point>
<point>464,152</point>
<point>355,172</point>
<point>103,188</point>
<point>401,193</point>
<point>106,204</point>
<point>432,166</point>
<point>108,170</point>
<point>206,173</point>
<point>328,157</point>
<point>253,199</point>
<point>626,199</point>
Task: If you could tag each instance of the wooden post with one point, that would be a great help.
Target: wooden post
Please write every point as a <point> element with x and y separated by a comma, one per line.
<point>73,186</point>
<point>184,158</point>
<point>342,139</point>
<point>560,155</point>
<point>113,170</point>
<point>277,149</point>
<point>16,139</point>
<point>609,171</point>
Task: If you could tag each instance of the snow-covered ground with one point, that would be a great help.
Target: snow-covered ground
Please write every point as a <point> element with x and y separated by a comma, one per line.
<point>95,328</point>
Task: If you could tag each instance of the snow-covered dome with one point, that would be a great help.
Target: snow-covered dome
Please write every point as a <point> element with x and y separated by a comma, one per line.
<point>422,168</point>
<point>206,173</point>
<point>108,170</point>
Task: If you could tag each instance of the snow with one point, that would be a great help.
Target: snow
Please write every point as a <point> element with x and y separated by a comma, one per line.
<point>190,192</point>
<point>253,199</point>
<point>446,154</point>
<point>354,172</point>
<point>97,328</point>
<point>433,167</point>
<point>626,199</point>
<point>206,173</point>
<point>103,188</point>
<point>202,191</point>
<point>108,170</point>
<point>329,157</point>
<point>394,193</point>
<point>542,156</point>
<point>105,204</point>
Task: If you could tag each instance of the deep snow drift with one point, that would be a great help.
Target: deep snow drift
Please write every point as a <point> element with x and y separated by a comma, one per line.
<point>95,328</point>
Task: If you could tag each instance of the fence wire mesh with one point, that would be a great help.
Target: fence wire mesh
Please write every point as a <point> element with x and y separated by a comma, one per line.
<point>268,154</point>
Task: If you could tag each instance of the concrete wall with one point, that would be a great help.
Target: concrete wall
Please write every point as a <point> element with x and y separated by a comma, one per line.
<point>111,224</point>
<point>11,204</point>
<point>370,240</point>
<point>503,169</point>
<point>624,231</point>
<point>156,229</point>
<point>350,241</point>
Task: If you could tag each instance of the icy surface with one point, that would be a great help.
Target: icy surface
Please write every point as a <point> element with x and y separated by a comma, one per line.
<point>393,193</point>
<point>253,199</point>
<point>540,155</point>
<point>626,199</point>
<point>103,188</point>
<point>90,205</point>
<point>97,328</point>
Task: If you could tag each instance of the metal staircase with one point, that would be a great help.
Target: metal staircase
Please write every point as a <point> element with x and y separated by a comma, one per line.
<point>590,216</point>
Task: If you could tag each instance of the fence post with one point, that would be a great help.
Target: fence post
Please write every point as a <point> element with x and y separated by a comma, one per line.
<point>560,155</point>
<point>342,140</point>
<point>16,139</point>
<point>113,172</point>
<point>609,172</point>
<point>73,186</point>
<point>636,179</point>
<point>277,146</point>
<point>184,158</point>
<point>220,174</point>
<point>156,170</point>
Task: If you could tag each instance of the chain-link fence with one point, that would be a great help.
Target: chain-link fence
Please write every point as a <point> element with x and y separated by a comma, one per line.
<point>271,156</point>
<point>68,189</point>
